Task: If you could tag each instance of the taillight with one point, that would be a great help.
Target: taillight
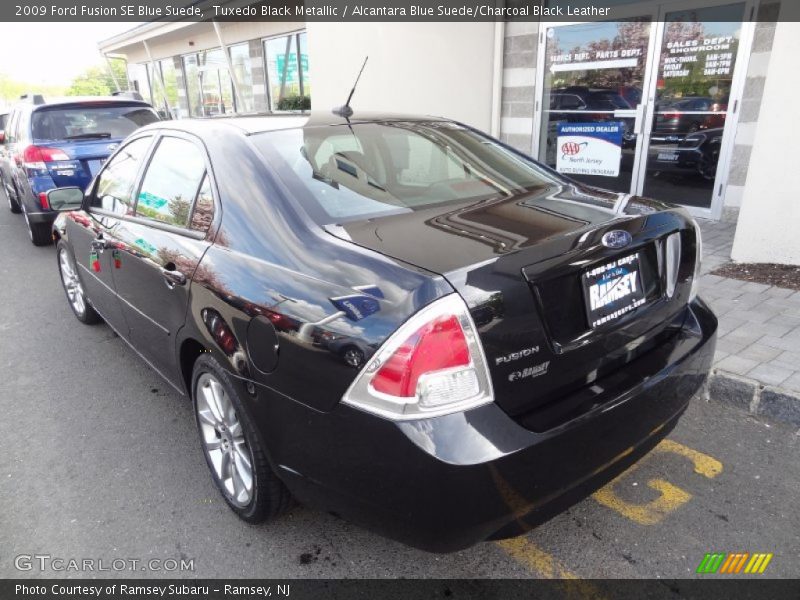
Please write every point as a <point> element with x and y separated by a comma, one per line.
<point>433,365</point>
<point>35,157</point>
<point>437,345</point>
<point>43,200</point>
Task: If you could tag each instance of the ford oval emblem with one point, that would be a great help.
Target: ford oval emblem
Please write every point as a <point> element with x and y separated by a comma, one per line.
<point>616,239</point>
<point>111,147</point>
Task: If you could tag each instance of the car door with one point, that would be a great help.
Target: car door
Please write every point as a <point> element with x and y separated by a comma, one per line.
<point>158,250</point>
<point>109,200</point>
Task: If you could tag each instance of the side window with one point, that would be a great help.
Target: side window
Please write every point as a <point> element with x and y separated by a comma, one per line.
<point>203,213</point>
<point>171,182</point>
<point>114,191</point>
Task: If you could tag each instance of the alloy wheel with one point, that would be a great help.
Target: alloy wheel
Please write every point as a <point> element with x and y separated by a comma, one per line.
<point>354,357</point>
<point>72,283</point>
<point>223,440</point>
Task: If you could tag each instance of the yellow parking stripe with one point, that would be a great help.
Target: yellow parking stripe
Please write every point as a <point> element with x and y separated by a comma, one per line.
<point>704,465</point>
<point>547,566</point>
<point>531,556</point>
<point>652,512</point>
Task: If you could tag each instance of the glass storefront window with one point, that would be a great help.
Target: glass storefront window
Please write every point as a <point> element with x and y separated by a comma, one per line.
<point>240,58</point>
<point>170,79</point>
<point>164,79</point>
<point>139,75</point>
<point>287,71</point>
<point>193,95</point>
<point>693,88</point>
<point>208,84</point>
<point>215,83</point>
<point>593,83</point>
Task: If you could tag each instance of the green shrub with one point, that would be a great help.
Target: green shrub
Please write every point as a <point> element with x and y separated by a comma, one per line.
<point>294,103</point>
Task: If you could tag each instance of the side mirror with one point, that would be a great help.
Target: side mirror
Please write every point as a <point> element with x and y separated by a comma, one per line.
<point>65,199</point>
<point>2,137</point>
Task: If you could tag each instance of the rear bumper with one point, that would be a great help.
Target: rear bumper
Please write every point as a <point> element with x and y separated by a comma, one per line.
<point>446,483</point>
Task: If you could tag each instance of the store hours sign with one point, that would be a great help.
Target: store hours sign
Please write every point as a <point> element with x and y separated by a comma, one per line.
<point>589,148</point>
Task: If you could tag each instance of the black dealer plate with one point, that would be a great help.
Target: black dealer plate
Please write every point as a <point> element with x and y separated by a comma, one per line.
<point>612,289</point>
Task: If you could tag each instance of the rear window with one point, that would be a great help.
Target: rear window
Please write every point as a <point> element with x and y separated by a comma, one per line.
<point>365,170</point>
<point>3,119</point>
<point>90,122</point>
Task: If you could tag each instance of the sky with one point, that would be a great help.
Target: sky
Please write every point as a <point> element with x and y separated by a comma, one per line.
<point>52,53</point>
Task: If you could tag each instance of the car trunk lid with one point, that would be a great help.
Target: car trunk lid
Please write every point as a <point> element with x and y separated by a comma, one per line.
<point>521,265</point>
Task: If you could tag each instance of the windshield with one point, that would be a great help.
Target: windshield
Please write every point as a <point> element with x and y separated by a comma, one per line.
<point>90,122</point>
<point>366,170</point>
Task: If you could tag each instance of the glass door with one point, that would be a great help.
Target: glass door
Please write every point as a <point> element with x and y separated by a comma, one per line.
<point>646,104</point>
<point>693,97</point>
<point>593,81</point>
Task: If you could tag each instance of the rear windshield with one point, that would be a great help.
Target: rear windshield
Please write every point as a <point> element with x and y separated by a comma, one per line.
<point>90,122</point>
<point>366,170</point>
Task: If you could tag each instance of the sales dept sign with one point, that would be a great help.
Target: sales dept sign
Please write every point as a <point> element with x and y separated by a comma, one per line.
<point>589,148</point>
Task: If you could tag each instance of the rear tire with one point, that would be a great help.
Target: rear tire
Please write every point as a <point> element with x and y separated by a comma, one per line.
<point>73,287</point>
<point>232,448</point>
<point>39,233</point>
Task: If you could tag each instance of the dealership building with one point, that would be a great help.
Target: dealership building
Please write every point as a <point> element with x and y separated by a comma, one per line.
<point>683,101</point>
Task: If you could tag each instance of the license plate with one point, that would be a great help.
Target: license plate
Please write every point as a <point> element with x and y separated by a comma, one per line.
<point>612,290</point>
<point>668,156</point>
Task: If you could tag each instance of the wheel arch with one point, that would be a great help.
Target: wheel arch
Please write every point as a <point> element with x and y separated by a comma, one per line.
<point>191,349</point>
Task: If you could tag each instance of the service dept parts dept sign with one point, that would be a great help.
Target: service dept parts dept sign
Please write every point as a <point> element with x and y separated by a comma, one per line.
<point>589,148</point>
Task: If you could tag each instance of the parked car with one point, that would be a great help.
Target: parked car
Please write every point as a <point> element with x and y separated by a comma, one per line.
<point>534,337</point>
<point>696,154</point>
<point>687,115</point>
<point>61,143</point>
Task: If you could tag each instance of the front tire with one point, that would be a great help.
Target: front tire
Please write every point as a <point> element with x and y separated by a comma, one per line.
<point>73,287</point>
<point>13,204</point>
<point>235,457</point>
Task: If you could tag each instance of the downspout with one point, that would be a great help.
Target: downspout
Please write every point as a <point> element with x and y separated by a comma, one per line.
<point>497,77</point>
<point>230,65</point>
<point>160,77</point>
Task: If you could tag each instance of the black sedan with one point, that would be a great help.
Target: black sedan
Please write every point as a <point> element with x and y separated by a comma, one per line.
<point>532,337</point>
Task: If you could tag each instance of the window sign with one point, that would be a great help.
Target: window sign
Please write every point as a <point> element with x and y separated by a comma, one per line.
<point>589,148</point>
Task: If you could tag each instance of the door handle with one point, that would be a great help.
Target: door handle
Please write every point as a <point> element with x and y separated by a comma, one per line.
<point>99,244</point>
<point>173,277</point>
<point>639,120</point>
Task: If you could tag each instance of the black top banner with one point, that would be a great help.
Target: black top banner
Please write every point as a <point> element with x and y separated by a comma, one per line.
<point>339,10</point>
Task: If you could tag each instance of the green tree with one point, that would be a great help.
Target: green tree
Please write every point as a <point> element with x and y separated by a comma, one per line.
<point>12,89</point>
<point>97,80</point>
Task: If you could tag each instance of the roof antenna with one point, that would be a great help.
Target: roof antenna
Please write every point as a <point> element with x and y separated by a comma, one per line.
<point>345,111</point>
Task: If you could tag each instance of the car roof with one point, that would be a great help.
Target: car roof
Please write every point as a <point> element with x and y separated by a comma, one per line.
<point>83,101</point>
<point>254,124</point>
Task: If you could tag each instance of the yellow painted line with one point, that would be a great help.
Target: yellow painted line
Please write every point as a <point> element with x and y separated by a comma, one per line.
<point>547,566</point>
<point>704,465</point>
<point>534,558</point>
<point>650,513</point>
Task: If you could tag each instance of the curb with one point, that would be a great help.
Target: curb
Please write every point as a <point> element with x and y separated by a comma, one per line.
<point>753,396</point>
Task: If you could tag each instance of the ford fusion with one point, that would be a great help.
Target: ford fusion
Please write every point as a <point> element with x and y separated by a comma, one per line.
<point>399,320</point>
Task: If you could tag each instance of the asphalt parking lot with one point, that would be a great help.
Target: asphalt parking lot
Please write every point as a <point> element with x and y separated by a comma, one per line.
<point>100,460</point>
